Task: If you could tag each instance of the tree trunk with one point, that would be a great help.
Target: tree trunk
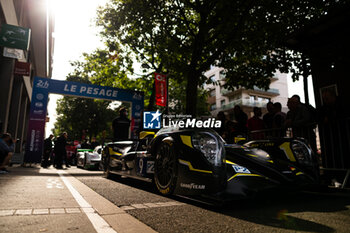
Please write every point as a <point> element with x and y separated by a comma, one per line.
<point>191,93</point>
<point>152,98</point>
<point>305,76</point>
<point>306,90</point>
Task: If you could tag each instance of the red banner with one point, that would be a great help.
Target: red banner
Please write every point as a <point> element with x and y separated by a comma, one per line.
<point>161,89</point>
<point>22,68</point>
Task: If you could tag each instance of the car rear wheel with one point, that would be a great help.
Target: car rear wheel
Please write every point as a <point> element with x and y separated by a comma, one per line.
<point>165,169</point>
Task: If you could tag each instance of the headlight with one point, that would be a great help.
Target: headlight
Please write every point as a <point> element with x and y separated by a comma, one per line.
<point>210,146</point>
<point>302,152</point>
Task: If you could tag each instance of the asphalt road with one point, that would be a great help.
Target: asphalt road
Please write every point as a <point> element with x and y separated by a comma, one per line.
<point>327,211</point>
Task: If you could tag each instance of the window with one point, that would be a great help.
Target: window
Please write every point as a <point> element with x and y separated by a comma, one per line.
<point>212,107</point>
<point>222,74</point>
<point>212,78</point>
<point>212,93</point>
<point>222,102</point>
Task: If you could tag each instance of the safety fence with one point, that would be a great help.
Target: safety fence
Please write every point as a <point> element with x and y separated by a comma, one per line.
<point>330,140</point>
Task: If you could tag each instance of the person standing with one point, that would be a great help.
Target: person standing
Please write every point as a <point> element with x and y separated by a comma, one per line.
<point>256,123</point>
<point>121,126</point>
<point>278,120</point>
<point>241,119</point>
<point>299,118</point>
<point>268,117</point>
<point>221,117</point>
<point>94,143</point>
<point>47,151</point>
<point>60,150</point>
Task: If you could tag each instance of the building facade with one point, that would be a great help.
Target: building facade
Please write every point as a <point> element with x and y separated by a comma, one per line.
<point>221,99</point>
<point>16,89</point>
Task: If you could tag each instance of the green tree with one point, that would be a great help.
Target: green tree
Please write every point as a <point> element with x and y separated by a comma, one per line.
<point>183,38</point>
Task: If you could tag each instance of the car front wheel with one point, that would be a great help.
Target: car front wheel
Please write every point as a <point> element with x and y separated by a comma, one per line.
<point>165,169</point>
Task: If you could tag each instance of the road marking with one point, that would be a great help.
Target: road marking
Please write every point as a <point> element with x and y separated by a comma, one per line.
<point>47,211</point>
<point>100,225</point>
<point>24,212</point>
<point>151,205</point>
<point>6,212</point>
<point>40,211</point>
<point>53,183</point>
<point>57,211</point>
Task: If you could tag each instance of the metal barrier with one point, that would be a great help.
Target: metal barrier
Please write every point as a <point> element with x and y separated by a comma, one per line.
<point>333,141</point>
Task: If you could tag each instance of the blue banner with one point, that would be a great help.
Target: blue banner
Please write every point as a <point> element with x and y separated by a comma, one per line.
<point>42,87</point>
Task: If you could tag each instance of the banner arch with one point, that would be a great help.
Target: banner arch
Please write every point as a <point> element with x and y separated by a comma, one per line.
<point>42,87</point>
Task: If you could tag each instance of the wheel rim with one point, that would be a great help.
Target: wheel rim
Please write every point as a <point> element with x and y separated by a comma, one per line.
<point>164,166</point>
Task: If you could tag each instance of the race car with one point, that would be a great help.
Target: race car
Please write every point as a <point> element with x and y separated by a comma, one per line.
<point>88,158</point>
<point>199,162</point>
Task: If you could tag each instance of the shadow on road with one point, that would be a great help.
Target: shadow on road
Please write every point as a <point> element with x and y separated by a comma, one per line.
<point>277,210</point>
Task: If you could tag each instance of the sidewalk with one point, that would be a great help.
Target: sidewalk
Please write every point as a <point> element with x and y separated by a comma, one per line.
<point>50,200</point>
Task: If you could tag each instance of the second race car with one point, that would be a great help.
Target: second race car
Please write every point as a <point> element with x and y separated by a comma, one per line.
<point>88,158</point>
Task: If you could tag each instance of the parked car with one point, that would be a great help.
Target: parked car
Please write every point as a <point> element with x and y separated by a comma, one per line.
<point>89,158</point>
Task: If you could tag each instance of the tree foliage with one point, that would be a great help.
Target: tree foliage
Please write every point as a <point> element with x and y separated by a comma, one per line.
<point>183,38</point>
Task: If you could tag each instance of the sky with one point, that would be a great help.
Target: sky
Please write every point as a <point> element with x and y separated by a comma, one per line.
<point>75,33</point>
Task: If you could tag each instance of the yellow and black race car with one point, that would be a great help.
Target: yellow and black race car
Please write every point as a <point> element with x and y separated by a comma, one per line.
<point>197,162</point>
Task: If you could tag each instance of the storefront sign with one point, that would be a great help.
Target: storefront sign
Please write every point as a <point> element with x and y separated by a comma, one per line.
<point>13,53</point>
<point>14,37</point>
<point>22,68</point>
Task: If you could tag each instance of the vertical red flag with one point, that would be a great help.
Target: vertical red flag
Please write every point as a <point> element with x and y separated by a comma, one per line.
<point>161,89</point>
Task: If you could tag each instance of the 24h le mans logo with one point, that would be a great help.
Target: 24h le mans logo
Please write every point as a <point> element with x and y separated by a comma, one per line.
<point>151,120</point>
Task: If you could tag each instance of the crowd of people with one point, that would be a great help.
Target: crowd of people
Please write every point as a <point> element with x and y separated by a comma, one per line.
<point>58,147</point>
<point>300,119</point>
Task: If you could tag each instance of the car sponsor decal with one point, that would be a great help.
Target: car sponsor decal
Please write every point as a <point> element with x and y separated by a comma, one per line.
<point>150,167</point>
<point>192,186</point>
<point>240,169</point>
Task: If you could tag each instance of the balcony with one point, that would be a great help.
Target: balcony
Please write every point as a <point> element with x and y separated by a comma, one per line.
<point>271,91</point>
<point>244,102</point>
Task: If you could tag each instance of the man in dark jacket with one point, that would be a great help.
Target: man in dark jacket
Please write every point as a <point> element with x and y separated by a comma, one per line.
<point>47,151</point>
<point>60,150</point>
<point>121,126</point>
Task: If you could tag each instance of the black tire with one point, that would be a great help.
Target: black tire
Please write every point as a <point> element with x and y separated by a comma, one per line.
<point>165,169</point>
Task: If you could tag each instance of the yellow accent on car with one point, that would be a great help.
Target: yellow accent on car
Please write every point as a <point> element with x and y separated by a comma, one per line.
<point>186,140</point>
<point>112,152</point>
<point>229,162</point>
<point>243,174</point>
<point>252,155</point>
<point>270,161</point>
<point>187,163</point>
<point>286,148</point>
<point>299,173</point>
<point>237,139</point>
<point>144,134</point>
